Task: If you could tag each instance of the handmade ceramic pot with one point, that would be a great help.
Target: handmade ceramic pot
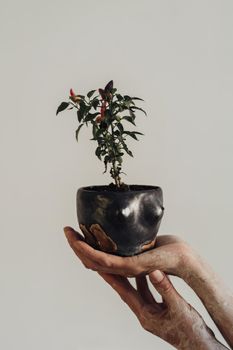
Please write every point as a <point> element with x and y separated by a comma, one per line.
<point>122,223</point>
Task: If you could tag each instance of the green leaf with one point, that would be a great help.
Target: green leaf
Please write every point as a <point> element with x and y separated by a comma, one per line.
<point>81,111</point>
<point>97,132</point>
<point>77,131</point>
<point>106,160</point>
<point>62,107</point>
<point>116,132</point>
<point>128,100</point>
<point>131,134</point>
<point>126,148</point>
<point>137,132</point>
<point>119,159</point>
<point>90,116</point>
<point>101,141</point>
<point>140,109</point>
<point>137,98</point>
<point>90,93</point>
<point>95,103</point>
<point>98,152</point>
<point>94,129</point>
<point>129,119</point>
<point>120,127</point>
<point>119,97</point>
<point>115,106</point>
<point>103,152</point>
<point>104,124</point>
<point>132,114</point>
<point>127,104</point>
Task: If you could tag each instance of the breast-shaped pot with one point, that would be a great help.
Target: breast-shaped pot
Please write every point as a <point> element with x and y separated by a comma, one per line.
<point>123,223</point>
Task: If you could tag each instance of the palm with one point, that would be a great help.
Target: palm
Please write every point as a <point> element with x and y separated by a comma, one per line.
<point>166,256</point>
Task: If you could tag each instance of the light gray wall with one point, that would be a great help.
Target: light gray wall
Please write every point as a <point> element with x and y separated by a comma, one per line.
<point>177,55</point>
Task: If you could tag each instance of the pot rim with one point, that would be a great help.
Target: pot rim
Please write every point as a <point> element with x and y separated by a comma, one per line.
<point>142,188</point>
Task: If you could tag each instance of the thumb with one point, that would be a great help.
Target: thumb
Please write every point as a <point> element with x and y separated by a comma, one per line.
<point>164,287</point>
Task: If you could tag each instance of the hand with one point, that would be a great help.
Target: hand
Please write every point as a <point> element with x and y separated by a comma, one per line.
<point>171,256</point>
<point>174,320</point>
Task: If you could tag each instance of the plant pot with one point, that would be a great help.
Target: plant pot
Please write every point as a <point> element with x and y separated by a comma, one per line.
<point>121,223</point>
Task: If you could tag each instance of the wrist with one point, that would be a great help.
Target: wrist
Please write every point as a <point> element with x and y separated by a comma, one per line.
<point>199,276</point>
<point>188,262</point>
<point>194,270</point>
<point>213,293</point>
<point>202,340</point>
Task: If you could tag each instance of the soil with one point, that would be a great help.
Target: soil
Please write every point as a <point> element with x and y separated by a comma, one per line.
<point>113,187</point>
<point>124,188</point>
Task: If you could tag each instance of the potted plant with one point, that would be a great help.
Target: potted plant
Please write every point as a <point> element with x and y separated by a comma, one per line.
<point>118,218</point>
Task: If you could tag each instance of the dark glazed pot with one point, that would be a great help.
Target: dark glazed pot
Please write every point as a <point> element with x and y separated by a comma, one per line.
<point>120,222</point>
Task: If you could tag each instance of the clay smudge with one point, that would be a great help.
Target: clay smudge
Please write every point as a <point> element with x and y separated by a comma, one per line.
<point>89,237</point>
<point>148,245</point>
<point>105,243</point>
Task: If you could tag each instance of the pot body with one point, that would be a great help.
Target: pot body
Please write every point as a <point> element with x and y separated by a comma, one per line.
<point>122,223</point>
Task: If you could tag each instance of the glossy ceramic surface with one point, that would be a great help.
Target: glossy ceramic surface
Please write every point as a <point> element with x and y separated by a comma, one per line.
<point>121,223</point>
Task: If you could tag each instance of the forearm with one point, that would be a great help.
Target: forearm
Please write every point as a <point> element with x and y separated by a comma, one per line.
<point>198,336</point>
<point>216,297</point>
<point>204,344</point>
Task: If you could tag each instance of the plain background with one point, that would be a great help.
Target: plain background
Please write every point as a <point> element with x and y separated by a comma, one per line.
<point>177,55</point>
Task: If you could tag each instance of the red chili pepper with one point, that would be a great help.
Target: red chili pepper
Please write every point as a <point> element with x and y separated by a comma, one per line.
<point>103,109</point>
<point>98,119</point>
<point>75,98</point>
<point>72,92</point>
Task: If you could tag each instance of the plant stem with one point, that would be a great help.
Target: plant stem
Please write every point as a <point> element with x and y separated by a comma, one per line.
<point>113,162</point>
<point>116,178</point>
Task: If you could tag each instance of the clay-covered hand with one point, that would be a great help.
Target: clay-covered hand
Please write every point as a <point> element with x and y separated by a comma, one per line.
<point>172,256</point>
<point>169,256</point>
<point>173,320</point>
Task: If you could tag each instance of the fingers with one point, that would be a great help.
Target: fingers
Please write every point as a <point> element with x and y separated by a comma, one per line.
<point>91,258</point>
<point>126,291</point>
<point>72,236</point>
<point>100,260</point>
<point>164,287</point>
<point>77,243</point>
<point>143,290</point>
<point>134,266</point>
<point>83,250</point>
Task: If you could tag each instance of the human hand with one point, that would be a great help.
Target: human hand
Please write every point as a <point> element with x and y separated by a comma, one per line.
<point>171,255</point>
<point>173,320</point>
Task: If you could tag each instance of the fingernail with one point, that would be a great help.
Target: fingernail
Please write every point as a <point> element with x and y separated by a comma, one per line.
<point>157,276</point>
